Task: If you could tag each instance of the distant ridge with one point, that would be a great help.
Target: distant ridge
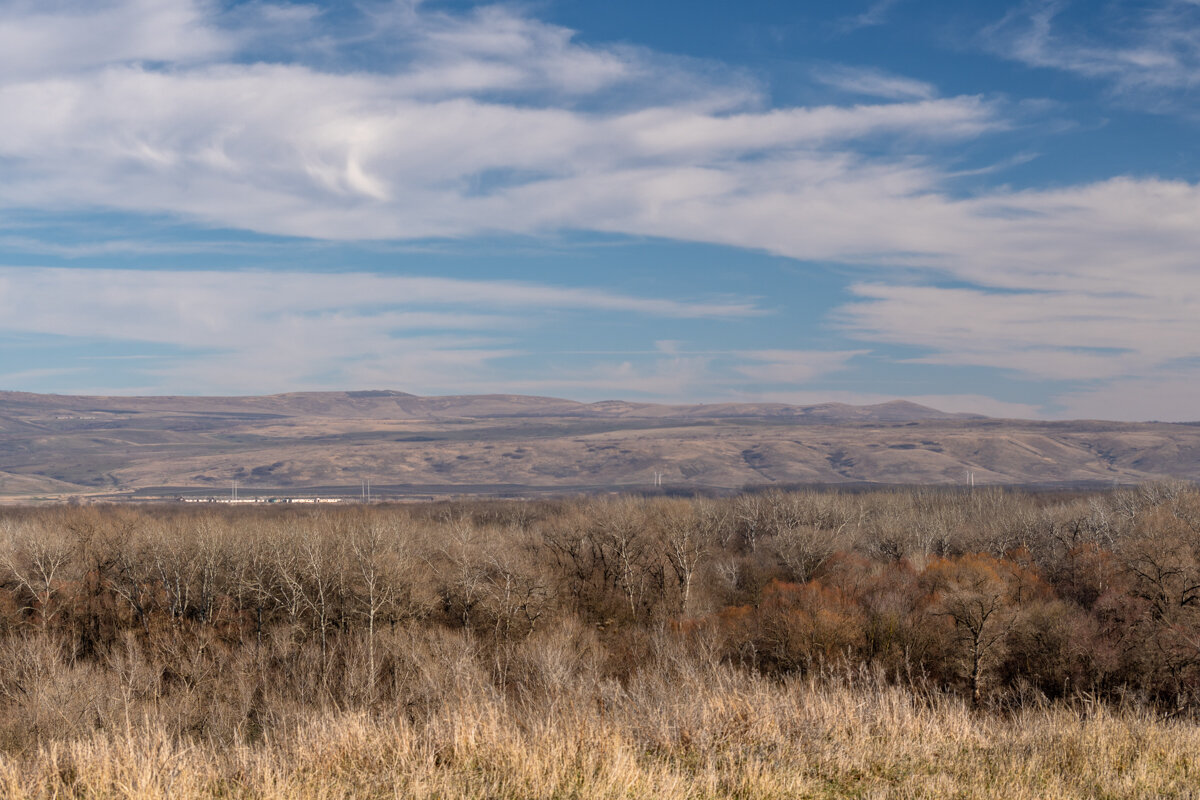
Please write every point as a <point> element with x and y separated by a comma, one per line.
<point>386,403</point>
<point>60,445</point>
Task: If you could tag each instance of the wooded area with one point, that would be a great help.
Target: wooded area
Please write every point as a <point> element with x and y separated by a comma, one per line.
<point>237,626</point>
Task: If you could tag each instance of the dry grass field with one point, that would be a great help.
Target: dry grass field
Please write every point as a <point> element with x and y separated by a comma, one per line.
<point>707,733</point>
<point>773,645</point>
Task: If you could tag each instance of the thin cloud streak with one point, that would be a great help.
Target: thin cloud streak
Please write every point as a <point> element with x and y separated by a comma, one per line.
<point>795,367</point>
<point>491,121</point>
<point>875,14</point>
<point>1147,52</point>
<point>1064,335</point>
<point>180,306</point>
<point>874,83</point>
<point>259,331</point>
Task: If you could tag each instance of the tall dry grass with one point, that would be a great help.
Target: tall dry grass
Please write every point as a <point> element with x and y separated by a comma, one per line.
<point>675,733</point>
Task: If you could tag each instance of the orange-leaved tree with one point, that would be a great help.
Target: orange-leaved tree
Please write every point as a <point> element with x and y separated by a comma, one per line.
<point>980,595</point>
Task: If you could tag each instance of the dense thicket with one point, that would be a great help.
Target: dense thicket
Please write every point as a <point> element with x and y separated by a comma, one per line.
<point>225,622</point>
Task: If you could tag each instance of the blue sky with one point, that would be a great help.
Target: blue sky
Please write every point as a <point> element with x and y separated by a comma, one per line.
<point>979,206</point>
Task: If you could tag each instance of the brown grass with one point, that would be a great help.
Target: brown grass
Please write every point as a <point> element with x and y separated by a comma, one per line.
<point>701,733</point>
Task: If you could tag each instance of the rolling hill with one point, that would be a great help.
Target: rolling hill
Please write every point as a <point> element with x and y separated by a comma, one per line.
<point>58,445</point>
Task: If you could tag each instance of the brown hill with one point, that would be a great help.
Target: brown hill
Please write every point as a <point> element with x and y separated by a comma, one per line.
<point>58,445</point>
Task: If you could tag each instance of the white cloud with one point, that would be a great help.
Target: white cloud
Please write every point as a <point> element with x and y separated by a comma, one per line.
<point>494,49</point>
<point>1145,51</point>
<point>202,306</point>
<point>253,332</point>
<point>875,14</point>
<point>257,331</point>
<point>874,83</point>
<point>671,374</point>
<point>287,150</point>
<point>662,379</point>
<point>427,146</point>
<point>491,121</point>
<point>1056,335</point>
<point>792,366</point>
<point>56,37</point>
<point>1173,395</point>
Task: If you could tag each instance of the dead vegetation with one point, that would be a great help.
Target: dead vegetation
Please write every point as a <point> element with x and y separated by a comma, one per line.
<point>917,643</point>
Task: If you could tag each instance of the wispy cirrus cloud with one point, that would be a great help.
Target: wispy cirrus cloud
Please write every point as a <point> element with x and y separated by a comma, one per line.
<point>870,82</point>
<point>243,331</point>
<point>1170,395</point>
<point>671,374</point>
<point>281,149</point>
<point>1054,335</point>
<point>399,121</point>
<point>452,131</point>
<point>875,14</point>
<point>1147,52</point>
<point>796,367</point>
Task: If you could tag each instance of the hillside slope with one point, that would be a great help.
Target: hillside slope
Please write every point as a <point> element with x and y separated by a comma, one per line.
<point>58,445</point>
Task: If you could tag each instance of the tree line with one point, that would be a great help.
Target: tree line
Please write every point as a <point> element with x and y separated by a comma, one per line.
<point>227,620</point>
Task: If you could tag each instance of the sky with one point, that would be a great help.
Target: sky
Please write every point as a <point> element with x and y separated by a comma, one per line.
<point>987,207</point>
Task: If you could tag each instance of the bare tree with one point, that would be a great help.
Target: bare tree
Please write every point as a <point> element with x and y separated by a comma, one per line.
<point>379,559</point>
<point>35,560</point>
<point>689,539</point>
<point>974,593</point>
<point>461,569</point>
<point>802,549</point>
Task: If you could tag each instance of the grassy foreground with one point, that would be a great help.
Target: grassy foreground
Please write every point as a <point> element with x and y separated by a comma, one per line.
<point>697,733</point>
